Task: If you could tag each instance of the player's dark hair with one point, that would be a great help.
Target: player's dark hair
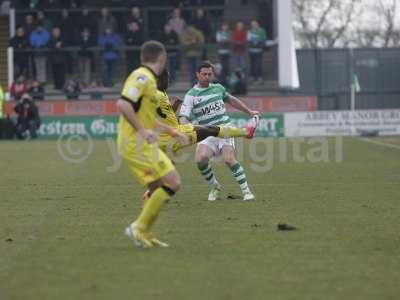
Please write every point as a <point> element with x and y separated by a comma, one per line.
<point>163,81</point>
<point>151,51</point>
<point>205,64</point>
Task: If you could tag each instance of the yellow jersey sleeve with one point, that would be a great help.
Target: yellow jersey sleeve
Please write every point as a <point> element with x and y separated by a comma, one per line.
<point>137,86</point>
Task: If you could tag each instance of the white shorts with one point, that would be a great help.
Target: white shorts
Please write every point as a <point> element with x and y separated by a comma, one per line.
<point>216,143</point>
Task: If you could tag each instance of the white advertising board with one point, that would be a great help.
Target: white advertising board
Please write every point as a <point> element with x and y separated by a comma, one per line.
<point>345,123</point>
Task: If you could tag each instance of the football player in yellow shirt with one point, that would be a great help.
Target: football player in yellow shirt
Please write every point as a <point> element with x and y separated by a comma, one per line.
<point>137,141</point>
<point>195,133</point>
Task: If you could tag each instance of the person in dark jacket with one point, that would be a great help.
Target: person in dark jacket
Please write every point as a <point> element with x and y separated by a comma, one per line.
<point>134,16</point>
<point>85,55</point>
<point>171,41</point>
<point>133,37</point>
<point>36,91</point>
<point>28,117</point>
<point>29,24</point>
<point>85,20</point>
<point>66,25</point>
<point>109,42</point>
<point>57,58</point>
<point>72,89</point>
<point>20,44</point>
<point>201,23</point>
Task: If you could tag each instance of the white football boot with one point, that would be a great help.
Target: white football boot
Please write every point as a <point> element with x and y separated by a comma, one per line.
<point>214,193</point>
<point>138,236</point>
<point>248,196</point>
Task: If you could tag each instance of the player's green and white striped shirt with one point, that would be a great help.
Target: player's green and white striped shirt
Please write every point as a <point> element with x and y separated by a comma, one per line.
<point>206,106</point>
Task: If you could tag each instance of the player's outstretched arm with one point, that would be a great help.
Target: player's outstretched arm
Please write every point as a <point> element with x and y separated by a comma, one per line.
<point>128,112</point>
<point>239,105</point>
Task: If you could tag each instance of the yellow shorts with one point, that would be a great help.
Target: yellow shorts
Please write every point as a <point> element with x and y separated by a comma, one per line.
<point>146,161</point>
<point>167,143</point>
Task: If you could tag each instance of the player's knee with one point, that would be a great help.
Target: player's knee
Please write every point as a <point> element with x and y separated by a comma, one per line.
<point>230,161</point>
<point>202,159</point>
<point>174,183</point>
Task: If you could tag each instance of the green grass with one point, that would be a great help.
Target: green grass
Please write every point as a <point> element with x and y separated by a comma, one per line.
<point>66,222</point>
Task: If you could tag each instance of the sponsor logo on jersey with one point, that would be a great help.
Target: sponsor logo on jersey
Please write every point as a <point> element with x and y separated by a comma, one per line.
<point>212,108</point>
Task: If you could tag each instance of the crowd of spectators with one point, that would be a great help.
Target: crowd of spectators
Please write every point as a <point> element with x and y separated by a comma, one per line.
<point>60,41</point>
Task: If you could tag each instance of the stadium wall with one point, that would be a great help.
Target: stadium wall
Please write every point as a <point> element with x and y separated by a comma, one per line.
<point>99,119</point>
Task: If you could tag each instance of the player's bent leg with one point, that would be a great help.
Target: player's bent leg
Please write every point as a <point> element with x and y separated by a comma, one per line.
<point>203,155</point>
<point>150,189</point>
<point>204,132</point>
<point>172,180</point>
<point>228,153</point>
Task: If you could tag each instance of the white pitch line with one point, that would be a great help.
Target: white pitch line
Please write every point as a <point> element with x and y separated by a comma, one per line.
<point>388,145</point>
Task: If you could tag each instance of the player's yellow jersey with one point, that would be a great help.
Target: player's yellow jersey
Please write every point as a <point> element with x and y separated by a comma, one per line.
<point>140,90</point>
<point>165,111</point>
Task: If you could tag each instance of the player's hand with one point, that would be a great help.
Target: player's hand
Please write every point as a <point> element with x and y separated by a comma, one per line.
<point>149,135</point>
<point>256,115</point>
<point>181,138</point>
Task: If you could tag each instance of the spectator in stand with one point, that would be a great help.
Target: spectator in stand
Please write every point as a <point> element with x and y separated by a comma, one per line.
<point>106,21</point>
<point>171,41</point>
<point>29,24</point>
<point>39,39</point>
<point>134,37</point>
<point>201,23</point>
<point>135,16</point>
<point>36,91</point>
<point>85,56</point>
<point>66,25</point>
<point>224,42</point>
<point>20,45</point>
<point>177,22</point>
<point>18,87</point>
<point>47,23</point>
<point>239,39</point>
<point>85,20</point>
<point>192,41</point>
<point>256,38</point>
<point>72,89</point>
<point>109,42</point>
<point>28,117</point>
<point>236,82</point>
<point>57,58</point>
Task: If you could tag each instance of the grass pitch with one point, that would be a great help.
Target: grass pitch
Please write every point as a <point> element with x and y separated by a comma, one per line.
<point>61,228</point>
